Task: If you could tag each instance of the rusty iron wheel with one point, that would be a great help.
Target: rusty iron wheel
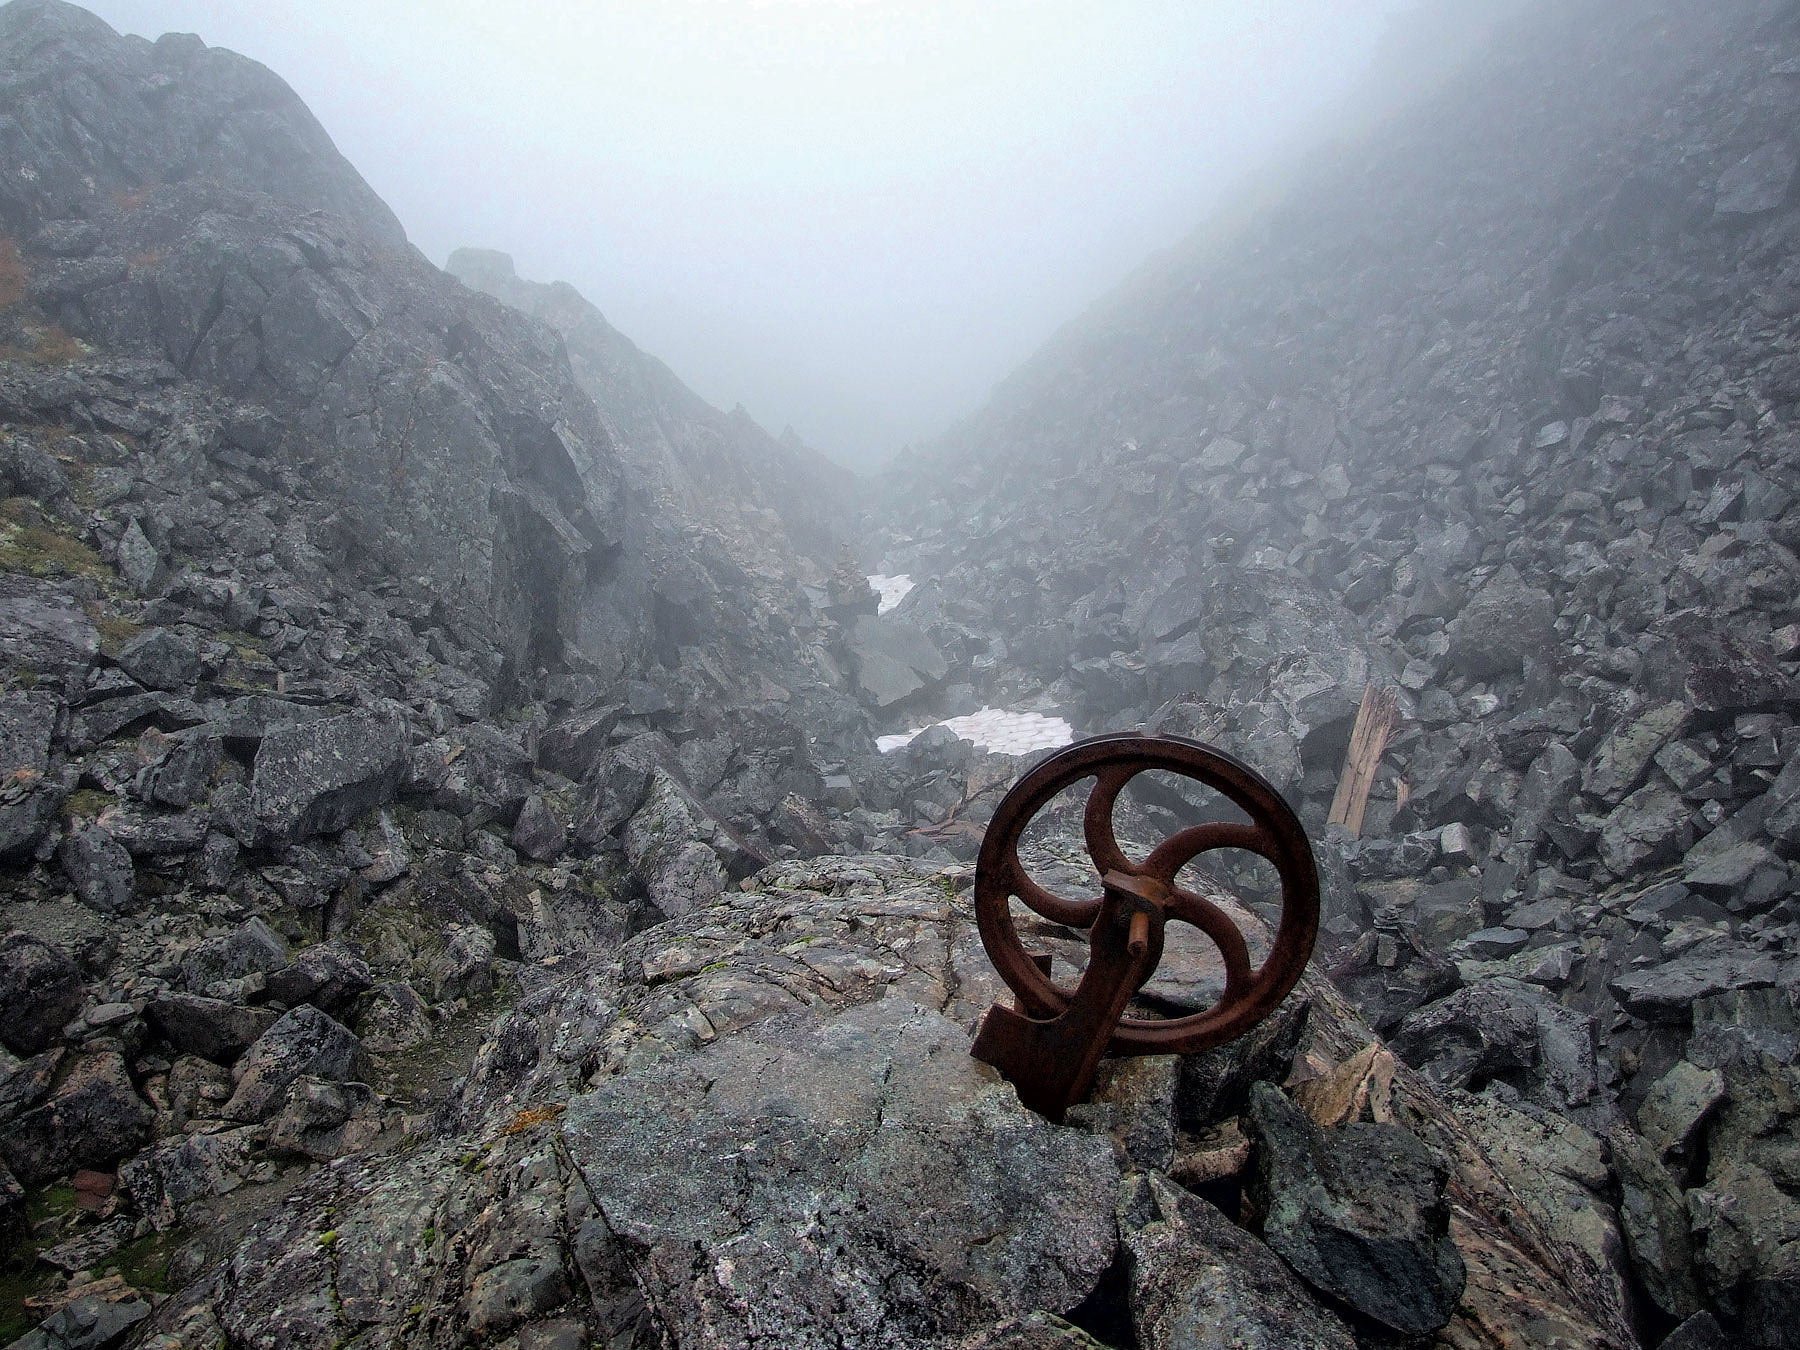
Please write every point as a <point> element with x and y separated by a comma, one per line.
<point>1274,832</point>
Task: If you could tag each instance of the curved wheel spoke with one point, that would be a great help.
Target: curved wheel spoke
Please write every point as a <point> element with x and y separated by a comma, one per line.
<point>1097,821</point>
<point>1226,936</point>
<point>1048,904</point>
<point>1181,848</point>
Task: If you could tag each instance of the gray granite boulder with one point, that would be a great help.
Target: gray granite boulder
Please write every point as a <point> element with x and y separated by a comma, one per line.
<point>92,1118</point>
<point>1198,1280</point>
<point>1502,624</point>
<point>160,659</point>
<point>318,777</point>
<point>666,843</point>
<point>302,1042</point>
<point>209,1027</point>
<point>878,1183</point>
<point>893,659</point>
<point>99,868</point>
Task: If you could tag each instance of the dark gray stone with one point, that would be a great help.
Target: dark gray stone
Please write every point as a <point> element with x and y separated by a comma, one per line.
<point>319,777</point>
<point>1668,992</point>
<point>186,774</point>
<point>893,659</point>
<point>1358,1212</point>
<point>540,832</point>
<point>1761,181</point>
<point>328,976</point>
<point>252,948</point>
<point>26,723</point>
<point>159,659</point>
<point>1503,623</point>
<point>210,1027</point>
<point>1654,1219</point>
<point>99,868</point>
<point>28,815</point>
<point>323,1120</point>
<point>1198,1280</point>
<point>40,993</point>
<point>88,1322</point>
<point>302,1042</point>
<point>92,1118</point>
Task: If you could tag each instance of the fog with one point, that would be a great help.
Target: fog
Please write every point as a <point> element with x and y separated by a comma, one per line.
<point>851,217</point>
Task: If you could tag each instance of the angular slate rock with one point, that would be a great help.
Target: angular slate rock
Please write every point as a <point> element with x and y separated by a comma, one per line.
<point>1654,1218</point>
<point>327,975</point>
<point>27,720</point>
<point>99,868</point>
<point>665,843</point>
<point>208,1027</point>
<point>302,1042</point>
<point>318,777</point>
<point>40,993</point>
<point>540,832</point>
<point>253,948</point>
<point>1198,1281</point>
<point>1668,992</point>
<point>322,1120</point>
<point>893,659</point>
<point>159,659</point>
<point>186,774</point>
<point>1359,1212</point>
<point>1625,756</point>
<point>1696,658</point>
<point>1503,623</point>
<point>93,1118</point>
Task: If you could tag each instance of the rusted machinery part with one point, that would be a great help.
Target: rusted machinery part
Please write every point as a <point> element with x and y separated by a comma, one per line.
<point>1274,832</point>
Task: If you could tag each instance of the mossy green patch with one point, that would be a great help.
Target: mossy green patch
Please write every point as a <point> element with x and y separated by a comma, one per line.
<point>85,804</point>
<point>53,1201</point>
<point>114,630</point>
<point>247,645</point>
<point>144,1264</point>
<point>20,1273</point>
<point>20,1277</point>
<point>37,549</point>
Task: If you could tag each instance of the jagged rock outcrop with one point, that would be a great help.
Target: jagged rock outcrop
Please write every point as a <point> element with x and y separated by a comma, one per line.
<point>762,1126</point>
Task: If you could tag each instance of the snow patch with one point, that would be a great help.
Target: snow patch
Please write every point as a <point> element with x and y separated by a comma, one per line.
<point>891,589</point>
<point>996,731</point>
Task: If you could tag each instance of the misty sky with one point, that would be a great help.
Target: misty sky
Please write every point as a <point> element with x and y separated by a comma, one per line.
<point>854,216</point>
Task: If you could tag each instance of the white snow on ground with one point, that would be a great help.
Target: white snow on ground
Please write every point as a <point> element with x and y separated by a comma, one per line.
<point>997,731</point>
<point>893,589</point>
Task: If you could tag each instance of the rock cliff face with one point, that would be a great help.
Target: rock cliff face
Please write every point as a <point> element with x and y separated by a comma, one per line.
<point>766,500</point>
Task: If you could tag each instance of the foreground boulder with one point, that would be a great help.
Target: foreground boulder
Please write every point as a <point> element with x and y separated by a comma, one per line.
<point>762,1126</point>
<point>879,1179</point>
<point>1361,1216</point>
<point>93,1118</point>
<point>1197,1279</point>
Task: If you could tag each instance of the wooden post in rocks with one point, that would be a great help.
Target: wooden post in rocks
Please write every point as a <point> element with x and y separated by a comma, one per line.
<point>1368,742</point>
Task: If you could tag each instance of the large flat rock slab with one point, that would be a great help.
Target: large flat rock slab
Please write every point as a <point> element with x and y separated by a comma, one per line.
<point>843,1180</point>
